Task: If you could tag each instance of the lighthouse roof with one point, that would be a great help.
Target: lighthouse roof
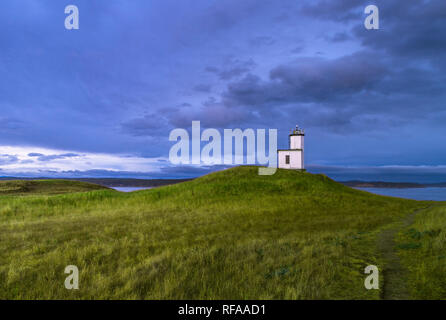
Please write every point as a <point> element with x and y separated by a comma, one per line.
<point>297,132</point>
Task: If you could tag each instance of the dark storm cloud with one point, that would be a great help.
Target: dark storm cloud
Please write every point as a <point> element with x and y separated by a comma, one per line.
<point>148,125</point>
<point>298,49</point>
<point>203,88</point>
<point>232,68</point>
<point>411,33</point>
<point>340,11</point>
<point>396,79</point>
<point>211,113</point>
<point>137,69</point>
<point>407,30</point>
<point>335,87</point>
<point>262,41</point>
<point>339,37</point>
<point>358,81</point>
<point>310,79</point>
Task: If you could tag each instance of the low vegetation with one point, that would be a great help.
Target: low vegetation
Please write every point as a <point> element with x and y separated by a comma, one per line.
<point>45,187</point>
<point>228,235</point>
<point>422,247</point>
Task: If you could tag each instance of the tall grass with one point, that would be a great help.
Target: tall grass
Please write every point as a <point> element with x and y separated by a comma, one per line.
<point>422,247</point>
<point>229,235</point>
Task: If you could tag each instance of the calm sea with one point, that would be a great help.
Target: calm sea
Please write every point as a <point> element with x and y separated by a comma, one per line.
<point>130,189</point>
<point>437,194</point>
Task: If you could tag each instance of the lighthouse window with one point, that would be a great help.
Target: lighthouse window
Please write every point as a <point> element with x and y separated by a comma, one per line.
<point>287,159</point>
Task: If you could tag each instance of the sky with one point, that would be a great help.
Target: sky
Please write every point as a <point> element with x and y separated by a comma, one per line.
<point>101,101</point>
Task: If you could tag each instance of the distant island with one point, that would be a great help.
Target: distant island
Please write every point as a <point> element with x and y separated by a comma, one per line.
<point>113,182</point>
<point>396,185</point>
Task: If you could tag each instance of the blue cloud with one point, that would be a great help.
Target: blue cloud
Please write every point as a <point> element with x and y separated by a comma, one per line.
<point>42,157</point>
<point>6,159</point>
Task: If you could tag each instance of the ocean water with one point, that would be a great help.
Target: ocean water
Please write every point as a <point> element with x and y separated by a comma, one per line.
<point>130,189</point>
<point>436,194</point>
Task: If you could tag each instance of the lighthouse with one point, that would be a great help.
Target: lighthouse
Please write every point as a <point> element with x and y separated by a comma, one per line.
<point>293,158</point>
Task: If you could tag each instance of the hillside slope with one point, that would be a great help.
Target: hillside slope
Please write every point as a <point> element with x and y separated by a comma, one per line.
<point>45,187</point>
<point>228,235</point>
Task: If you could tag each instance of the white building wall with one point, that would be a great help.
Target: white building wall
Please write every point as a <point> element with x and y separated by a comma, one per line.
<point>296,159</point>
<point>296,142</point>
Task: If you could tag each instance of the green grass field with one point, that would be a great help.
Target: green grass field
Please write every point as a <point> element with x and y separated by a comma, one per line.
<point>228,235</point>
<point>423,250</point>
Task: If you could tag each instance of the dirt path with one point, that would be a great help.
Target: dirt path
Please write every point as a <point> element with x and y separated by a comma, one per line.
<point>395,275</point>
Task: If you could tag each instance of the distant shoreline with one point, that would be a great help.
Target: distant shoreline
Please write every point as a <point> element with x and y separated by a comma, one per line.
<point>113,182</point>
<point>391,185</point>
<point>144,183</point>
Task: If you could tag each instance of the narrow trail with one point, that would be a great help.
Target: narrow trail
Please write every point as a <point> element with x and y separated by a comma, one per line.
<point>395,275</point>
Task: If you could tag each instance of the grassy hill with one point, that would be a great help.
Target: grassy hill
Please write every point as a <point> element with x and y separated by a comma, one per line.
<point>45,187</point>
<point>228,235</point>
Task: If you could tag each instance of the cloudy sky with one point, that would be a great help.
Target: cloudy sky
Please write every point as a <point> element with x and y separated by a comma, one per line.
<point>102,100</point>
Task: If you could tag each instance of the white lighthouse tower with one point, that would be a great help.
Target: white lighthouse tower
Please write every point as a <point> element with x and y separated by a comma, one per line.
<point>293,158</point>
